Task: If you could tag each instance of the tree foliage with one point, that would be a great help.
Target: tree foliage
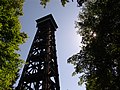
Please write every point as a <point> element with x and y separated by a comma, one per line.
<point>63,2</point>
<point>10,39</point>
<point>44,2</point>
<point>98,62</point>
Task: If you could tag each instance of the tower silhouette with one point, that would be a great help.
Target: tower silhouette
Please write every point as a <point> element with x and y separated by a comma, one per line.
<point>41,70</point>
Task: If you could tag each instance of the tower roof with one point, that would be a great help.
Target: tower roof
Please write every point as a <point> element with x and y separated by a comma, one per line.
<point>48,18</point>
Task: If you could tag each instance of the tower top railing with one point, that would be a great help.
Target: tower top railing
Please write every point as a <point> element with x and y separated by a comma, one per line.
<point>48,18</point>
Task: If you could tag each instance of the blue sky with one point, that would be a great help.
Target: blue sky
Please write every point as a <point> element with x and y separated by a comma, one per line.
<point>67,40</point>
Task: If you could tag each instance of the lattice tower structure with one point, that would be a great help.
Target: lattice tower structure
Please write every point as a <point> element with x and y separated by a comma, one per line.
<point>41,70</point>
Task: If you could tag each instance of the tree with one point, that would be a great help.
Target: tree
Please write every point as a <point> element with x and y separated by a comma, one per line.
<point>64,2</point>
<point>10,39</point>
<point>44,2</point>
<point>98,61</point>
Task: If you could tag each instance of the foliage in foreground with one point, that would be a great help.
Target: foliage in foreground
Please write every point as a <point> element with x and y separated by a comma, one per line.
<point>44,2</point>
<point>63,2</point>
<point>98,62</point>
<point>10,39</point>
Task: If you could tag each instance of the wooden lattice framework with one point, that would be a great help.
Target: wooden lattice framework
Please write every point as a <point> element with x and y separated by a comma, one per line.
<point>41,70</point>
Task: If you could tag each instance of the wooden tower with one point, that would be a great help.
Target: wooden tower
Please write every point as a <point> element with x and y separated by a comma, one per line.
<point>41,70</point>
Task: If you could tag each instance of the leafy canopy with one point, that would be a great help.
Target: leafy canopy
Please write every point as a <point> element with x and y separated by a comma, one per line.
<point>10,39</point>
<point>63,2</point>
<point>44,2</point>
<point>98,62</point>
